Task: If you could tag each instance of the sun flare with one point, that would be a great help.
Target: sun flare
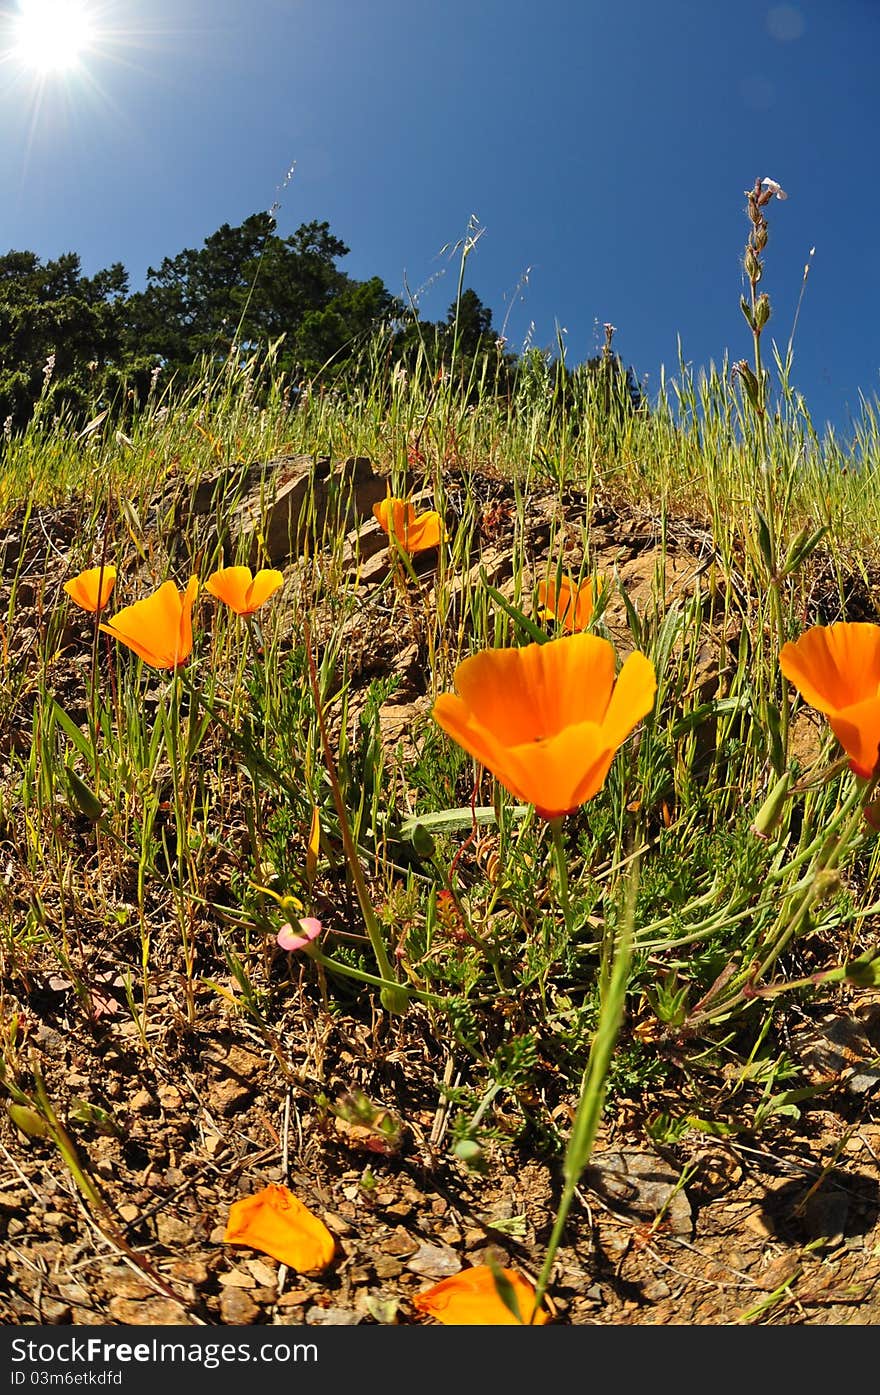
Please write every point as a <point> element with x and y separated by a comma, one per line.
<point>52,34</point>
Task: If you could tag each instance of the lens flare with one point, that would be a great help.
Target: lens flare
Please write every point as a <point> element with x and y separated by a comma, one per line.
<point>52,34</point>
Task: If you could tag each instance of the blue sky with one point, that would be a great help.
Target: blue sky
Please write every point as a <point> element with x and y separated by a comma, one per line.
<point>605,149</point>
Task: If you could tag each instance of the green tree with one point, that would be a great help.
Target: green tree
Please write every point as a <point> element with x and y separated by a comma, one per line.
<point>246,288</point>
<point>60,333</point>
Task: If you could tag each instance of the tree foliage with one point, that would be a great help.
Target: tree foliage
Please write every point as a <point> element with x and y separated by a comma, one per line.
<point>75,342</point>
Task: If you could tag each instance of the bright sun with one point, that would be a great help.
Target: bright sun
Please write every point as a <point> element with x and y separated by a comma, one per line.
<point>51,34</point>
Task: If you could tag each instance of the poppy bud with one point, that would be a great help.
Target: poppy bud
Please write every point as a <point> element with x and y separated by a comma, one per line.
<point>82,797</point>
<point>769,816</point>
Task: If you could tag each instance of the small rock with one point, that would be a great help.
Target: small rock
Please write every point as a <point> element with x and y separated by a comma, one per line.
<point>54,1312</point>
<point>172,1232</point>
<point>295,1297</point>
<point>236,1278</point>
<point>643,1184</point>
<point>386,1267</point>
<point>333,1221</point>
<point>147,1312</point>
<point>128,1212</point>
<point>193,1271</point>
<point>655,1290</point>
<point>142,1102</point>
<point>237,1308</point>
<point>400,1242</point>
<point>434,1262</point>
<point>262,1273</point>
<point>760,1223</point>
<point>777,1272</point>
<point>229,1095</point>
<point>332,1317</point>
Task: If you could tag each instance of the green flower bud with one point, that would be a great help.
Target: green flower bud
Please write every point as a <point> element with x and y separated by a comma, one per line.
<point>82,797</point>
<point>769,816</point>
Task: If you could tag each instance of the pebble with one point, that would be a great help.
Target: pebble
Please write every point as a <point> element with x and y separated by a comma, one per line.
<point>332,1317</point>
<point>434,1262</point>
<point>148,1312</point>
<point>238,1308</point>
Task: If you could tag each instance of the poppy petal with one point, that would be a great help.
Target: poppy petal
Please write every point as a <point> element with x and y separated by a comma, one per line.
<point>834,666</point>
<point>471,1298</point>
<point>857,729</point>
<point>158,628</point>
<point>632,699</point>
<point>277,1223</point>
<point>91,589</point>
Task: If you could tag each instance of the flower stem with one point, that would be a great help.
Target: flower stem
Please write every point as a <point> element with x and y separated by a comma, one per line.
<point>561,864</point>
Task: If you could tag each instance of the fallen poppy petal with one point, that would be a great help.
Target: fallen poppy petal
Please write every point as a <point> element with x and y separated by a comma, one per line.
<point>277,1223</point>
<point>471,1298</point>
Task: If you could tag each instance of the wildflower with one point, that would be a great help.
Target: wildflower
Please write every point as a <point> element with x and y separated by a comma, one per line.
<point>158,628</point>
<point>309,929</point>
<point>547,719</point>
<point>836,669</point>
<point>415,532</point>
<point>471,1298</point>
<point>242,592</point>
<point>277,1223</point>
<point>91,589</point>
<point>770,188</point>
<point>571,605</point>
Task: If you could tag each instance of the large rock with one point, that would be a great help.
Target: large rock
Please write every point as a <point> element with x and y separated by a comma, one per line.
<point>269,512</point>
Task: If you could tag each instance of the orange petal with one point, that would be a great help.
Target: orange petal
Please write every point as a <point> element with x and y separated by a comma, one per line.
<point>632,699</point>
<point>242,592</point>
<point>415,532</point>
<point>857,729</point>
<point>277,1223</point>
<point>91,589</point>
<point>158,628</point>
<point>471,1298</point>
<point>834,666</point>
<point>532,693</point>
<point>570,605</point>
<point>560,774</point>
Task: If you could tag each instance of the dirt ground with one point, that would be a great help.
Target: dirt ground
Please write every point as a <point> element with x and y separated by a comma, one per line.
<point>778,1224</point>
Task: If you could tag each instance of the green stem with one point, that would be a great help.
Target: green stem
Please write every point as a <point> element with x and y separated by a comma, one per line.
<point>394,1000</point>
<point>592,1095</point>
<point>561,865</point>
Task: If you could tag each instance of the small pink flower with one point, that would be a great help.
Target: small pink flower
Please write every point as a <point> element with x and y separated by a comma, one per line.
<point>290,940</point>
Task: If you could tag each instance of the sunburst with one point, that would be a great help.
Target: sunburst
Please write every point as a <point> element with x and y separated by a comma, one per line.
<point>52,35</point>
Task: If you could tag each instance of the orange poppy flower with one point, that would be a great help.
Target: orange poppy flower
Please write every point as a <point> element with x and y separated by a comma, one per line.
<point>91,589</point>
<point>836,669</point>
<point>547,719</point>
<point>158,628</point>
<point>277,1223</point>
<point>416,532</point>
<point>242,592</point>
<point>571,605</point>
<point>471,1299</point>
